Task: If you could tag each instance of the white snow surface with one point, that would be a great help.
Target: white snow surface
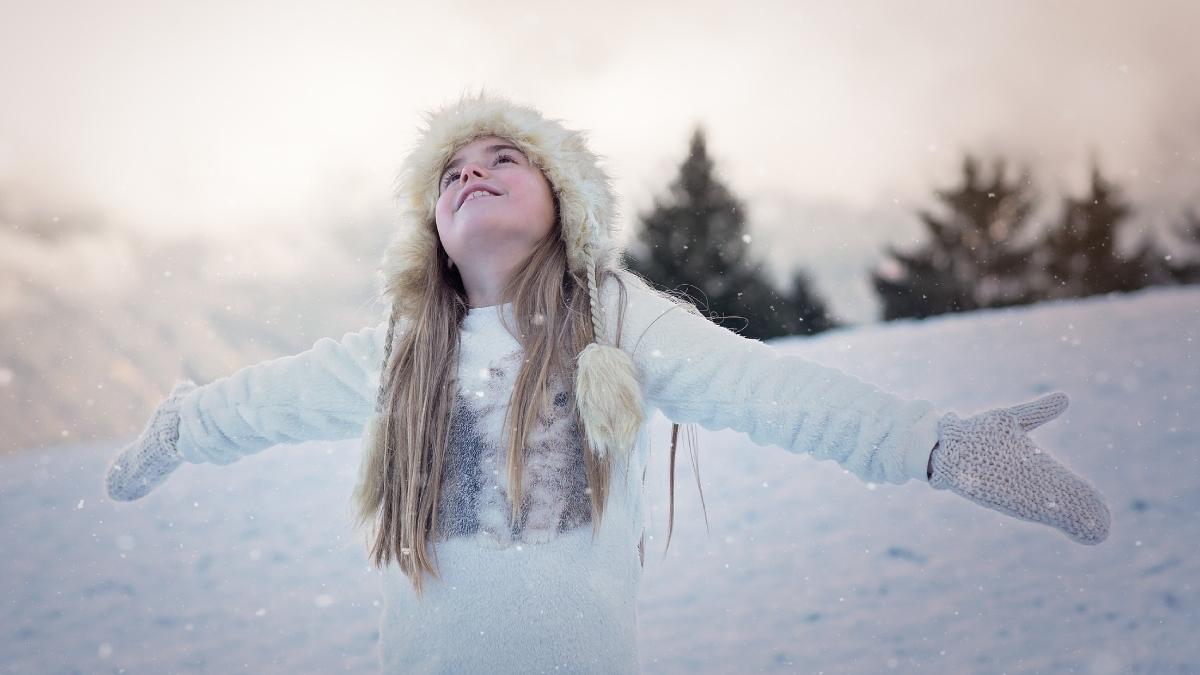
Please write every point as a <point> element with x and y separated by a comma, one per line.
<point>254,567</point>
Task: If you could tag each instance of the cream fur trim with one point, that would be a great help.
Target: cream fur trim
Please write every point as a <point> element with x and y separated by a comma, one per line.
<point>587,201</point>
<point>609,399</point>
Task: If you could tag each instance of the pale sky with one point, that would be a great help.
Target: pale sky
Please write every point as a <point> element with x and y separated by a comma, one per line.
<point>833,120</point>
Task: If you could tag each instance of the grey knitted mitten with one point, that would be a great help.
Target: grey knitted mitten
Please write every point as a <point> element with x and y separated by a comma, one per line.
<point>144,464</point>
<point>990,459</point>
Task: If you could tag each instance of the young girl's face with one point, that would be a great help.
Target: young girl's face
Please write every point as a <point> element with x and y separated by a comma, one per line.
<point>514,214</point>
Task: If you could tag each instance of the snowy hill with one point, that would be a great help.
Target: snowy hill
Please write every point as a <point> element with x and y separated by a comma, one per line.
<point>252,568</point>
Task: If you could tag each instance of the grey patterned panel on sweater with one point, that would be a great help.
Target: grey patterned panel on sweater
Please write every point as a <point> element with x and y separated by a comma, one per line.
<point>475,496</point>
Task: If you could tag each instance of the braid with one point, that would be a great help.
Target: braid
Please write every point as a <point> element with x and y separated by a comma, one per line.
<point>594,300</point>
<point>387,352</point>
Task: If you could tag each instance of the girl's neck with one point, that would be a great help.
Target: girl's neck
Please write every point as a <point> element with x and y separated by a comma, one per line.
<point>480,309</point>
<point>485,320</point>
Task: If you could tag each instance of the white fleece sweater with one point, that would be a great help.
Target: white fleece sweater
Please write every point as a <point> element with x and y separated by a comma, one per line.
<point>541,595</point>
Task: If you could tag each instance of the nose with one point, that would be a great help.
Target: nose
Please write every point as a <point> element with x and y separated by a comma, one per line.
<point>471,169</point>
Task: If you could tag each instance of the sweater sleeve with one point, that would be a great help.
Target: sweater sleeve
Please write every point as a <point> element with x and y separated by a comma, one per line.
<point>696,371</point>
<point>324,393</point>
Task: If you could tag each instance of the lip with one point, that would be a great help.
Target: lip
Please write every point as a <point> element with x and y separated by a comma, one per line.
<point>475,187</point>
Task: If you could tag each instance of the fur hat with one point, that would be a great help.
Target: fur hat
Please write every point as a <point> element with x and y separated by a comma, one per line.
<point>606,388</point>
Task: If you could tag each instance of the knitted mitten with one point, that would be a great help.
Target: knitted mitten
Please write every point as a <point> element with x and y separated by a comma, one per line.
<point>990,459</point>
<point>142,465</point>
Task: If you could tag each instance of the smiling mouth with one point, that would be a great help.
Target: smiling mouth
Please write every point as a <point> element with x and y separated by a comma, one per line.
<point>478,194</point>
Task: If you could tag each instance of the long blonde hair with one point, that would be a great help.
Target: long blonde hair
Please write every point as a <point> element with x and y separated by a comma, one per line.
<point>399,487</point>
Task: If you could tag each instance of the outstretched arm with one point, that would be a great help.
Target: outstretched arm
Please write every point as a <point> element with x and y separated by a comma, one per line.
<point>324,393</point>
<point>696,371</point>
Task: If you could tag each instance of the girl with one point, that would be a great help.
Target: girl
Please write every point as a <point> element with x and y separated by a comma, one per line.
<point>504,404</point>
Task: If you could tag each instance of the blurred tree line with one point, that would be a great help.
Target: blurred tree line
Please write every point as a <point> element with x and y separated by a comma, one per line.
<point>980,252</point>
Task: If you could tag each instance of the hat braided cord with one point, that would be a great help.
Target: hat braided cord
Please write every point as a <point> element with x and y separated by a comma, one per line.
<point>387,352</point>
<point>593,299</point>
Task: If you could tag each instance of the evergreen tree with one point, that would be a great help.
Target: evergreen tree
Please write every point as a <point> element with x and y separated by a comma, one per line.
<point>921,288</point>
<point>696,237</point>
<point>1080,255</point>
<point>971,260</point>
<point>808,313</point>
<point>1186,271</point>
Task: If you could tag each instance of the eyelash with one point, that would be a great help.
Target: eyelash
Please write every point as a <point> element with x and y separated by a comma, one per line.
<point>453,175</point>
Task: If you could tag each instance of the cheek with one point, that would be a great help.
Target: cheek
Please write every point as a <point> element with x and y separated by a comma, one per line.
<point>547,206</point>
<point>442,208</point>
<point>442,218</point>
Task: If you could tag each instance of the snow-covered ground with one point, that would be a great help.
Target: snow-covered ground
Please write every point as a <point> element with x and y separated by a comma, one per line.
<point>252,567</point>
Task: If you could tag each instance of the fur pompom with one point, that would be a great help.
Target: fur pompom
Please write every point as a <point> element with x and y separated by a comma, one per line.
<point>609,398</point>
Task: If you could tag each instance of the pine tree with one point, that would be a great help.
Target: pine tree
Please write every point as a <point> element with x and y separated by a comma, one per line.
<point>1186,271</point>
<point>802,311</point>
<point>921,288</point>
<point>1080,254</point>
<point>971,260</point>
<point>696,237</point>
